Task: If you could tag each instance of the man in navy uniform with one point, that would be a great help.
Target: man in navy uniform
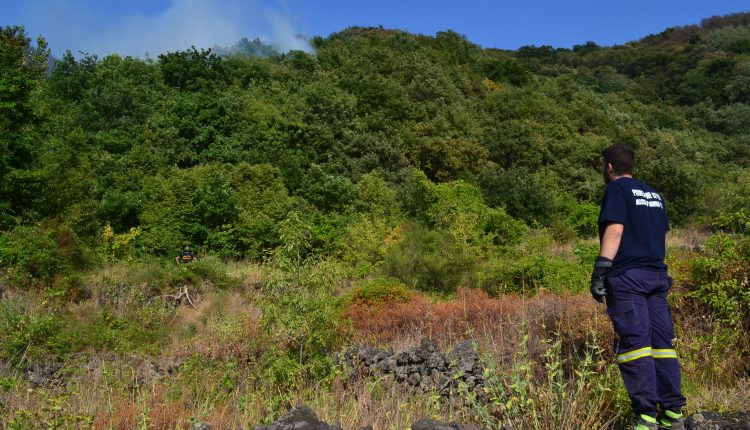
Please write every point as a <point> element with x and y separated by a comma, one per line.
<point>186,256</point>
<point>630,275</point>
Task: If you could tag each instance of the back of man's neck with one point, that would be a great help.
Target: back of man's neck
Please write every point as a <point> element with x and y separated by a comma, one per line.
<point>627,175</point>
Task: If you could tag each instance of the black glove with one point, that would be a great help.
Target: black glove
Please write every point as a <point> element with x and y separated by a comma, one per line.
<point>601,267</point>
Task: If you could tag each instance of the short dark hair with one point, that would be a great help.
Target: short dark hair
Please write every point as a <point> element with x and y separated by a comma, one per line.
<point>621,157</point>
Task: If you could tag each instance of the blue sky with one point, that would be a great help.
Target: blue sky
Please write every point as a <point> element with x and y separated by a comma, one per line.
<point>137,27</point>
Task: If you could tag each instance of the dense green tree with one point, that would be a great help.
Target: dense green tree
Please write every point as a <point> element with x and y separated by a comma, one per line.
<point>22,68</point>
<point>192,69</point>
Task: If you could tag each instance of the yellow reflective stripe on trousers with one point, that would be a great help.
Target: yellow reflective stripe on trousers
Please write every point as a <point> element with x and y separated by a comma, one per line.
<point>634,355</point>
<point>664,353</point>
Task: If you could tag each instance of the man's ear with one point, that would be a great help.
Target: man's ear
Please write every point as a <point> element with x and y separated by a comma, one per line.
<point>609,167</point>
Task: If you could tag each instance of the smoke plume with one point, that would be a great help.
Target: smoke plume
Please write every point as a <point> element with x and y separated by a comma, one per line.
<point>90,26</point>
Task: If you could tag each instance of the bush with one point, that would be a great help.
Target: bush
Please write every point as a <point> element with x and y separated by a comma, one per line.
<point>584,219</point>
<point>27,332</point>
<point>365,242</point>
<point>31,254</point>
<point>208,269</point>
<point>301,318</point>
<point>142,329</point>
<point>35,332</point>
<point>429,260</point>
<point>733,211</point>
<point>117,246</point>
<point>504,229</point>
<point>532,266</point>
<point>379,291</point>
<point>721,279</point>
<point>523,194</point>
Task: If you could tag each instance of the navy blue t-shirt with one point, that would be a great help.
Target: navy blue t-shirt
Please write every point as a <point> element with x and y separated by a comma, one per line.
<point>640,209</point>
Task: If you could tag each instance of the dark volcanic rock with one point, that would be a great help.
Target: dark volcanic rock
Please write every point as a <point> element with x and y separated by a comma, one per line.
<point>714,421</point>
<point>427,424</point>
<point>300,418</point>
<point>402,359</point>
<point>423,367</point>
<point>436,360</point>
<point>415,379</point>
<point>464,351</point>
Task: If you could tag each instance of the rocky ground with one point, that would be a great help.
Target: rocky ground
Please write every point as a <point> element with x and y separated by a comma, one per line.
<point>420,368</point>
<point>714,421</point>
<point>423,367</point>
<point>303,418</point>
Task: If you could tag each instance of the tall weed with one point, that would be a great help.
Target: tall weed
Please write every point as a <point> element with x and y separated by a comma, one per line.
<point>562,391</point>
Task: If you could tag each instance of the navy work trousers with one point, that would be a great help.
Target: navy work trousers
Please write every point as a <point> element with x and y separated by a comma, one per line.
<point>637,305</point>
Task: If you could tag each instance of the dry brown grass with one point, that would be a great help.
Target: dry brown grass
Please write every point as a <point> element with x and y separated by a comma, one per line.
<point>498,324</point>
<point>718,396</point>
<point>253,275</point>
<point>222,325</point>
<point>156,412</point>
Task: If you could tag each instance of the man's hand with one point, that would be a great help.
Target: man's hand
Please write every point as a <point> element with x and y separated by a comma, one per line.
<point>601,266</point>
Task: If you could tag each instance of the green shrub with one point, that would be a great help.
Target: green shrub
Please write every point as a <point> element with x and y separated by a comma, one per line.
<point>555,391</point>
<point>576,220</point>
<point>31,254</point>
<point>301,317</point>
<point>28,332</point>
<point>230,210</point>
<point>733,222</point>
<point>504,229</point>
<point>733,211</point>
<point>584,219</point>
<point>430,260</point>
<point>562,232</point>
<point>143,329</point>
<point>523,194</point>
<point>34,332</point>
<point>532,266</point>
<point>117,246</point>
<point>365,242</point>
<point>376,197</point>
<point>209,268</point>
<point>381,290</point>
<point>721,278</point>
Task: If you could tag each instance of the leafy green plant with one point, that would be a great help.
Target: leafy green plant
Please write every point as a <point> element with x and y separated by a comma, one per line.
<point>560,392</point>
<point>721,278</point>
<point>584,219</point>
<point>429,260</point>
<point>532,265</point>
<point>32,254</point>
<point>301,317</point>
<point>29,333</point>
<point>380,290</point>
<point>117,246</point>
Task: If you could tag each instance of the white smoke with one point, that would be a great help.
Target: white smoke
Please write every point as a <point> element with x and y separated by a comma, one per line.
<point>285,38</point>
<point>74,25</point>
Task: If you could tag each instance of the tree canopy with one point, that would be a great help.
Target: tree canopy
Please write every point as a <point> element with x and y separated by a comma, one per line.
<point>216,149</point>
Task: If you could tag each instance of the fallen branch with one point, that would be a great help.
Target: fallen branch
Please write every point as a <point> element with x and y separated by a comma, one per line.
<point>182,292</point>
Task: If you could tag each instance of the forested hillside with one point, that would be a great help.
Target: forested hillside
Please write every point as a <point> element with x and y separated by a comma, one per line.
<point>386,167</point>
<point>194,148</point>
